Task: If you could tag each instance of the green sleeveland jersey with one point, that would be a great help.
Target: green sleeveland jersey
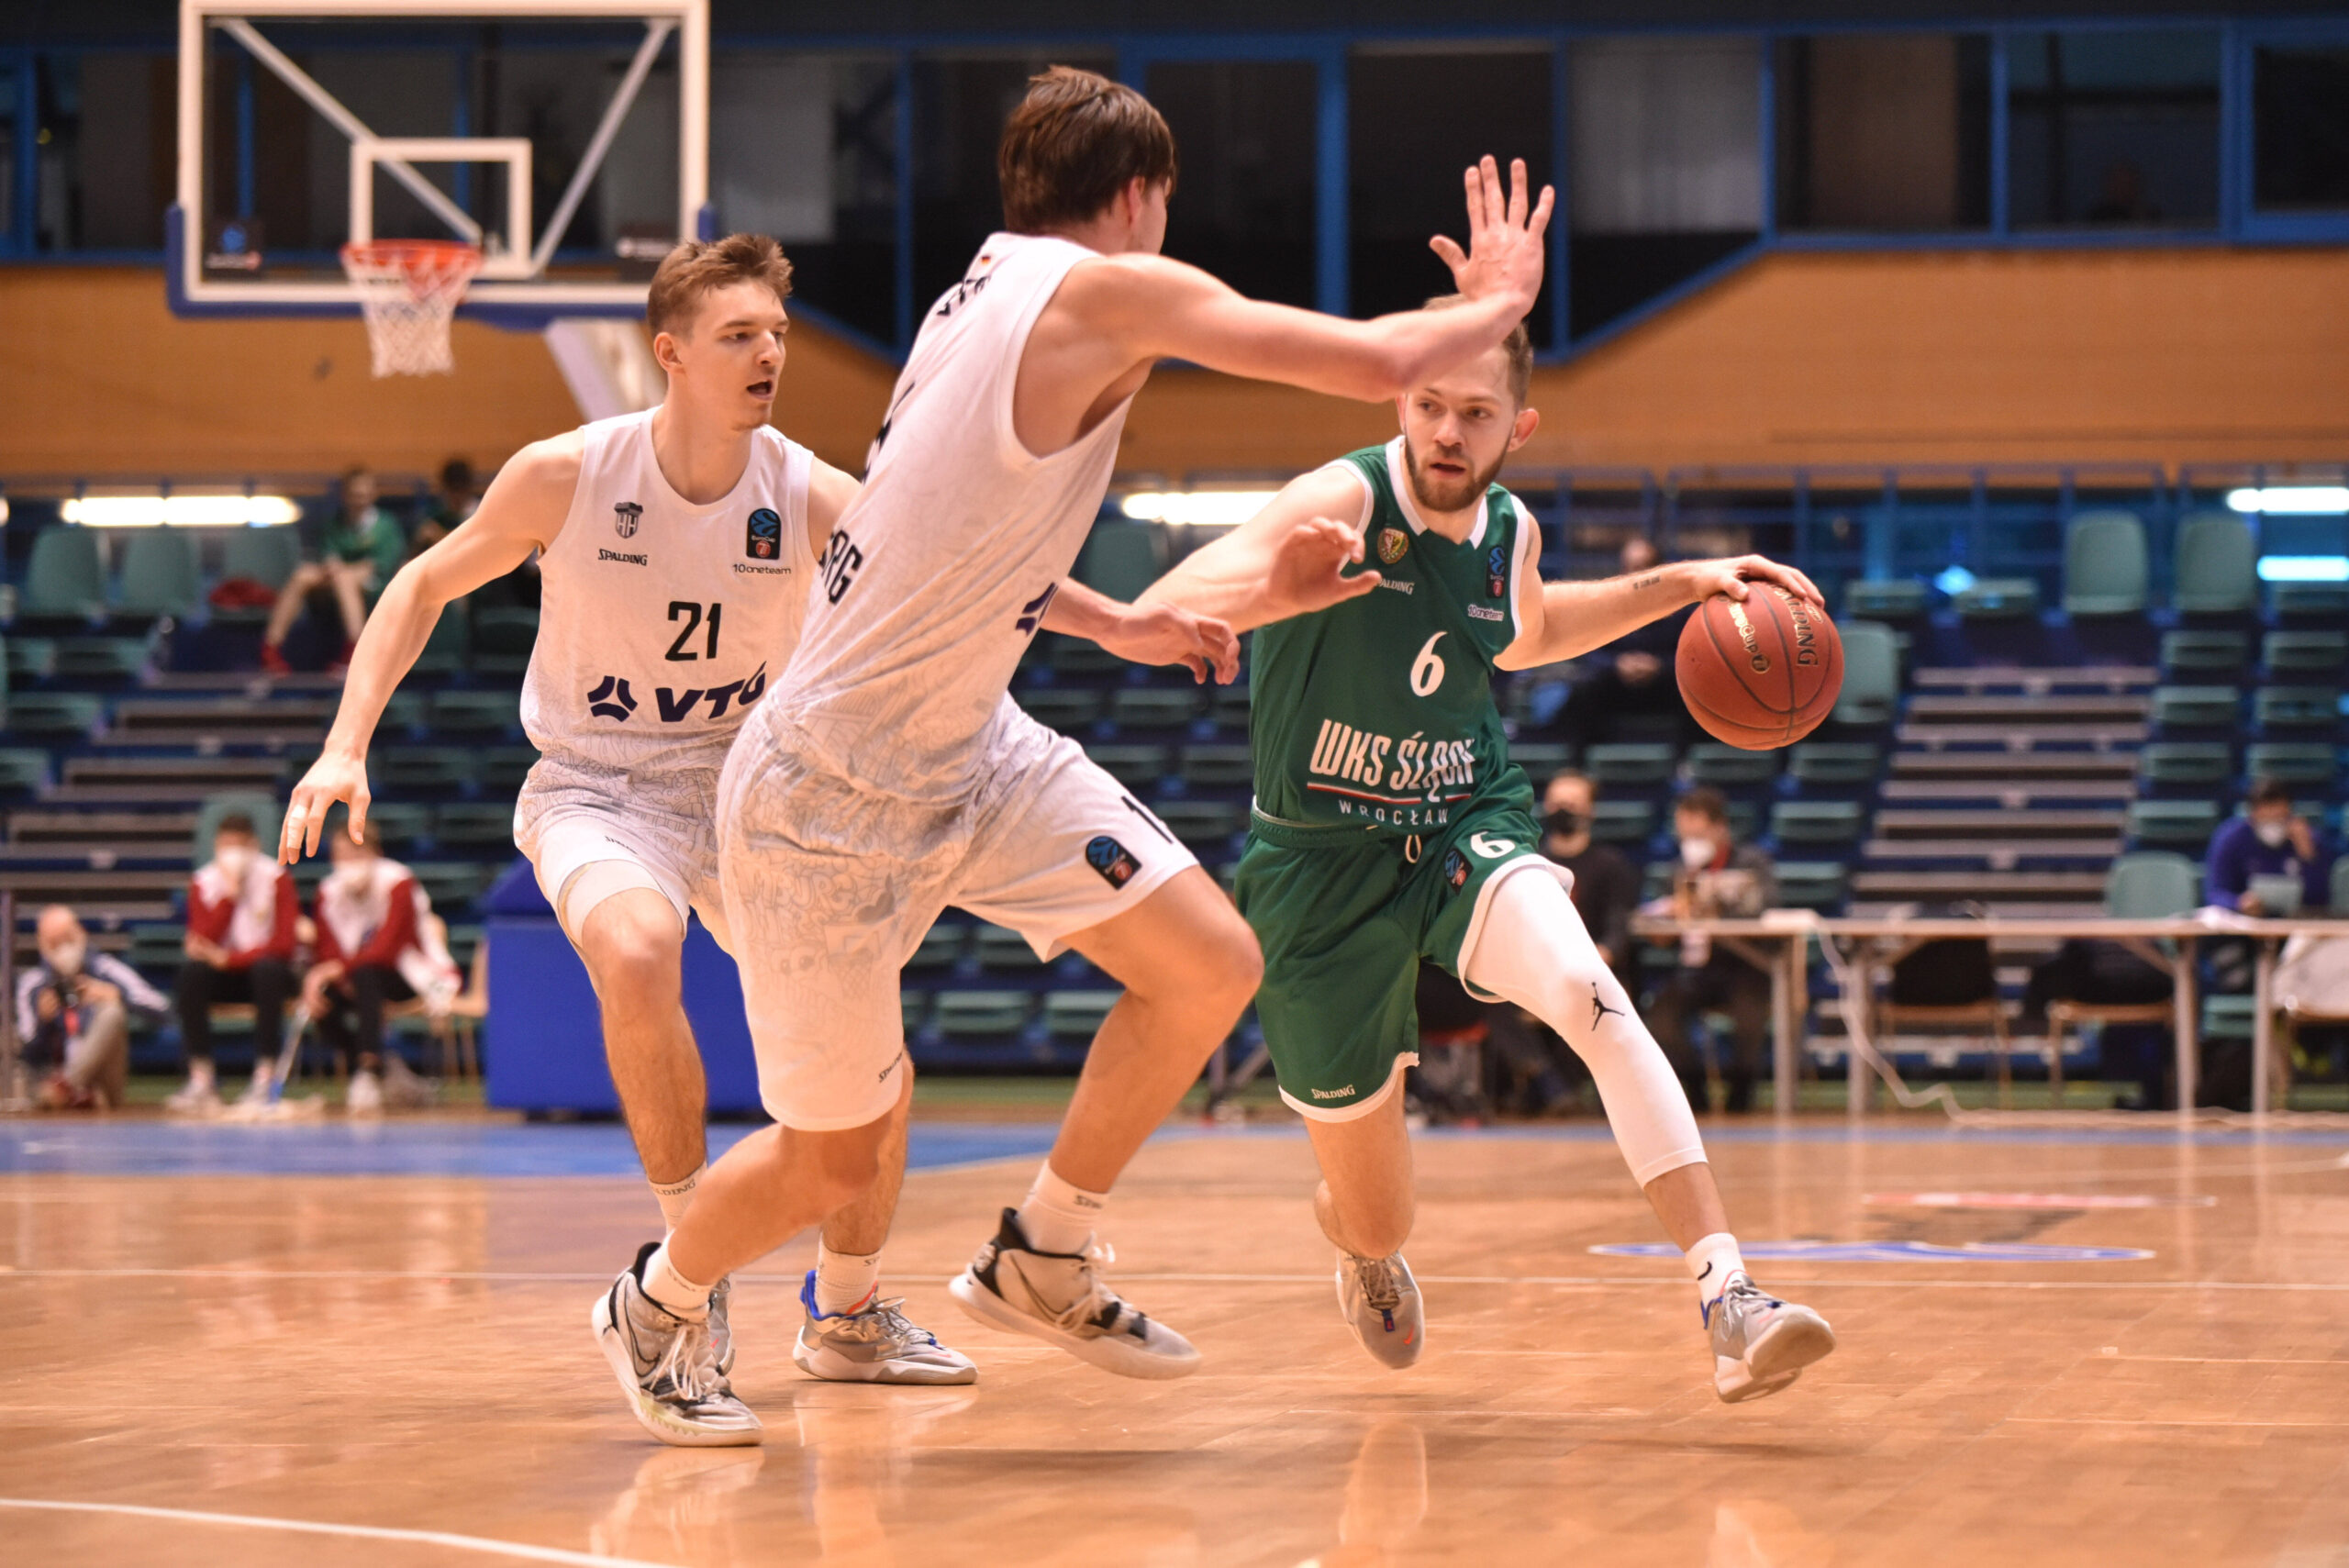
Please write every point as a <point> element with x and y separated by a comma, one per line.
<point>1379,712</point>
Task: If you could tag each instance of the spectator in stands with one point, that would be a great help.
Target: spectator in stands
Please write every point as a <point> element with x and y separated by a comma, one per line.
<point>459,495</point>
<point>1606,893</point>
<point>377,943</point>
<point>361,549</point>
<point>1718,877</point>
<point>73,1009</point>
<point>241,914</point>
<point>2269,840</point>
<point>1632,693</point>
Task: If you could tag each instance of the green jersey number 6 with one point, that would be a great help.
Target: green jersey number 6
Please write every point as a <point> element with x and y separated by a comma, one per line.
<point>1427,669</point>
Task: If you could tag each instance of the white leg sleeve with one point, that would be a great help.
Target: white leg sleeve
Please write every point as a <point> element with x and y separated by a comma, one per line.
<point>1534,950</point>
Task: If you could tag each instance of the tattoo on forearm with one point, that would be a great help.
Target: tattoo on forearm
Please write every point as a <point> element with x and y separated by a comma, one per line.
<point>1648,582</point>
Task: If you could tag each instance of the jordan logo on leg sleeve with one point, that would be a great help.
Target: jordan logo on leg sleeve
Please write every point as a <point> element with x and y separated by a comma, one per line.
<point>1598,1007</point>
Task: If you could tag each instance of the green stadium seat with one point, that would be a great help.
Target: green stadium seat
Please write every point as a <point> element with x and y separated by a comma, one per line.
<point>447,650</point>
<point>401,825</point>
<point>451,885</point>
<point>2229,1018</point>
<point>2213,655</point>
<point>473,826</point>
<point>1077,656</point>
<point>942,947</point>
<point>2326,603</point>
<point>2297,707</point>
<point>2304,653</point>
<point>1204,825</point>
<point>2197,707</point>
<point>1997,598</point>
<point>1816,821</point>
<point>65,579</point>
<point>1121,559</point>
<point>1065,708</point>
<point>1230,705</point>
<point>1871,694</point>
<point>1727,767</point>
<point>53,715</point>
<point>1077,1014</point>
<point>1630,764</point>
<point>502,640</point>
<point>1136,767</point>
<point>403,712</point>
<point>2151,884</point>
<point>2292,763</point>
<point>2186,763</point>
<point>1542,759</point>
<point>1153,707</point>
<point>2104,564</point>
<point>2339,900</point>
<point>267,556</point>
<point>503,768</point>
<point>159,575</point>
<point>475,713</point>
<point>1744,820</point>
<point>1622,821</point>
<point>2173,824</point>
<point>913,1010</point>
<point>31,659</point>
<point>101,658</point>
<point>422,770</point>
<point>2215,564</point>
<point>1903,599</point>
<point>981,1014</point>
<point>1217,766</point>
<point>1813,885</point>
<point>1002,949</point>
<point>1836,762</point>
<point>24,770</point>
<point>157,948</point>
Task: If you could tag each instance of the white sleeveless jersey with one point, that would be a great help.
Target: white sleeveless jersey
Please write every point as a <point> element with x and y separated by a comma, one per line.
<point>662,624</point>
<point>937,577</point>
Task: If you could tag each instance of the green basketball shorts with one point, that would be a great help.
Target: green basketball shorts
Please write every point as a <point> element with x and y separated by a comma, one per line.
<point>1345,919</point>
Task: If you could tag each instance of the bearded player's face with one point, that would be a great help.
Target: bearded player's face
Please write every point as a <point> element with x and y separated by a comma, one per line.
<point>1457,432</point>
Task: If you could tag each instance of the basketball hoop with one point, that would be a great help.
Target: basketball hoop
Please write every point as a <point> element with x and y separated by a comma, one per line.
<point>408,291</point>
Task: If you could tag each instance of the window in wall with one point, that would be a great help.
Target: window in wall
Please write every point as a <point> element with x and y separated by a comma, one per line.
<point>1884,132</point>
<point>1415,120</point>
<point>1667,166</point>
<point>2113,128</point>
<point>804,147</point>
<point>960,104</point>
<point>1244,133</point>
<point>2300,135</point>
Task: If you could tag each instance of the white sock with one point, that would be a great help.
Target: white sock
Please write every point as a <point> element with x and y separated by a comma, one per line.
<point>199,1074</point>
<point>844,1281</point>
<point>675,1197</point>
<point>1710,1262</point>
<point>673,1290</point>
<point>1059,1217</point>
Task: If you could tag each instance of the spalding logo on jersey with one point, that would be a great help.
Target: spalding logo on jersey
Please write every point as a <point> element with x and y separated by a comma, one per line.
<point>1392,543</point>
<point>1496,573</point>
<point>764,539</point>
<point>624,517</point>
<point>1112,860</point>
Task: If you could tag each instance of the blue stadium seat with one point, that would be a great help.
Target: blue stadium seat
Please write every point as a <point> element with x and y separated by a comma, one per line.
<point>2215,564</point>
<point>2104,565</point>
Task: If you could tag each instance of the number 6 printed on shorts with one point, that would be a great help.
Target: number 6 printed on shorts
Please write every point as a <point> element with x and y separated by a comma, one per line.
<point>1427,669</point>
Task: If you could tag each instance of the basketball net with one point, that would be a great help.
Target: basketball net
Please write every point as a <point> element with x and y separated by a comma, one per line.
<point>408,291</point>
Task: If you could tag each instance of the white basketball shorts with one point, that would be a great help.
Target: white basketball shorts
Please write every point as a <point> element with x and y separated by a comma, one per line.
<point>572,817</point>
<point>830,887</point>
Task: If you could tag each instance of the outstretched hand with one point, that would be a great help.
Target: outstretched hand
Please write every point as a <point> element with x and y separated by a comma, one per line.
<point>330,778</point>
<point>1308,565</point>
<point>1161,633</point>
<point>1505,254</point>
<point>1731,574</point>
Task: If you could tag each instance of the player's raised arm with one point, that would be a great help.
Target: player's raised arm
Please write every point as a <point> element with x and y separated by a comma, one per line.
<point>1566,620</point>
<point>523,511</point>
<point>1288,560</point>
<point>1152,308</point>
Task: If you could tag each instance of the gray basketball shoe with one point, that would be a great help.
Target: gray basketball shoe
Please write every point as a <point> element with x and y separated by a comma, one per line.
<point>668,1368</point>
<point>876,1344</point>
<point>1380,1302</point>
<point>1760,1344</point>
<point>721,1329</point>
<point>1058,1298</point>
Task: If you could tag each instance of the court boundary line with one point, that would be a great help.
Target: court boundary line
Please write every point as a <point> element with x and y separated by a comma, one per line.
<point>484,1544</point>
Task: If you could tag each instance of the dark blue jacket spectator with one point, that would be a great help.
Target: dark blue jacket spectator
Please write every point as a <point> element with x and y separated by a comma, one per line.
<point>2269,840</point>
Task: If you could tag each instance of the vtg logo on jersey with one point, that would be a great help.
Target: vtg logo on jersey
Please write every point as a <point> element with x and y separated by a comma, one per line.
<point>763,540</point>
<point>1496,573</point>
<point>1392,543</point>
<point>625,517</point>
<point>1112,860</point>
<point>611,698</point>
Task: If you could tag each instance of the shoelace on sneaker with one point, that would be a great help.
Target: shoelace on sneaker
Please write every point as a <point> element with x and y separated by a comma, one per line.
<point>1099,1308</point>
<point>1380,1287</point>
<point>690,1363</point>
<point>883,1322</point>
<point>1738,1298</point>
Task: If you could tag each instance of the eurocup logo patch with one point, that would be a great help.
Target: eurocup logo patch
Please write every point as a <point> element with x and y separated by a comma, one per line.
<point>1455,869</point>
<point>624,517</point>
<point>764,539</point>
<point>1496,573</point>
<point>1112,860</point>
<point>1392,543</point>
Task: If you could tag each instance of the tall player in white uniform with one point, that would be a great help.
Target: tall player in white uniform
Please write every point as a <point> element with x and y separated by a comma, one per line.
<point>890,774</point>
<point>677,548</point>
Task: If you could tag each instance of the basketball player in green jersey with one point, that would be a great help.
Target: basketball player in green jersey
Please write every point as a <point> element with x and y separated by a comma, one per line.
<point>1391,828</point>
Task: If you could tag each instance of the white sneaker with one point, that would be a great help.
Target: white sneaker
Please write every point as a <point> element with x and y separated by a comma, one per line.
<point>366,1095</point>
<point>668,1368</point>
<point>1058,1298</point>
<point>876,1344</point>
<point>263,1088</point>
<point>1380,1302</point>
<point>195,1097</point>
<point>1760,1344</point>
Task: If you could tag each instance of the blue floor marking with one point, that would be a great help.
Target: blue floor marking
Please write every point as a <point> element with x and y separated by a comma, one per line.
<point>427,1148</point>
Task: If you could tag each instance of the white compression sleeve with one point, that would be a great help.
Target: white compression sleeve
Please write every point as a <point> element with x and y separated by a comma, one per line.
<point>1534,949</point>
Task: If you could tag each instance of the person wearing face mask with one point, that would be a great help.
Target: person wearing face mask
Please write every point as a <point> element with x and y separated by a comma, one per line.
<point>1718,877</point>
<point>373,946</point>
<point>242,916</point>
<point>2268,840</point>
<point>74,1008</point>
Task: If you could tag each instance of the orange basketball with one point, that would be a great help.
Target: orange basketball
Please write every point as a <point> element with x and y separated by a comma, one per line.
<point>1761,673</point>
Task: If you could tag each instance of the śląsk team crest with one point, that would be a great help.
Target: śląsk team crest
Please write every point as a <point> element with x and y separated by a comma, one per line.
<point>1392,543</point>
<point>624,517</point>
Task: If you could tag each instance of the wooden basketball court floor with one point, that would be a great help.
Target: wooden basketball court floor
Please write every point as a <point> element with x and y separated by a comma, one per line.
<point>237,1355</point>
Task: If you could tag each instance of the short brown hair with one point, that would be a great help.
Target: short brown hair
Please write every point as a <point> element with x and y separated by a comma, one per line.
<point>1704,801</point>
<point>697,266</point>
<point>1518,345</point>
<point>2268,792</point>
<point>1075,140</point>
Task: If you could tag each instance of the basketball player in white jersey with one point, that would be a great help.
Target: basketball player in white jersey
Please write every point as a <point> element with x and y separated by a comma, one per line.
<point>890,774</point>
